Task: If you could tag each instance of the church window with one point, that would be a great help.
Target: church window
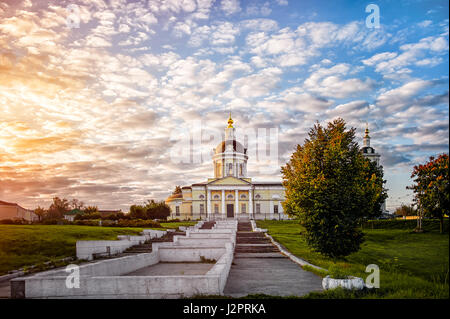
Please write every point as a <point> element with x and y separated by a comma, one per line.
<point>201,196</point>
<point>258,208</point>
<point>177,210</point>
<point>258,196</point>
<point>230,196</point>
<point>216,209</point>
<point>216,196</point>
<point>243,209</point>
<point>275,209</point>
<point>230,169</point>
<point>243,196</point>
<point>202,209</point>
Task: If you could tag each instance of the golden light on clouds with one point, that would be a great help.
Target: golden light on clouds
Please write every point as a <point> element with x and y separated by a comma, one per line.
<point>88,112</point>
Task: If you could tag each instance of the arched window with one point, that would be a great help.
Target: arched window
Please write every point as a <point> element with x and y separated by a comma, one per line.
<point>229,196</point>
<point>216,196</point>
<point>230,169</point>
<point>241,171</point>
<point>202,197</point>
<point>258,196</point>
<point>243,196</point>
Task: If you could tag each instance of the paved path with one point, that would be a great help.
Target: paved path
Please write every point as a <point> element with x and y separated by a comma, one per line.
<point>5,289</point>
<point>259,268</point>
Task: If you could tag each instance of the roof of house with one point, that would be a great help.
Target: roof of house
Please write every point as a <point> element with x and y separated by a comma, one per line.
<point>3,203</point>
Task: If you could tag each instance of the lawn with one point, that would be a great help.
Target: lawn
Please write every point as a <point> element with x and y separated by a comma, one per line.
<point>26,245</point>
<point>412,265</point>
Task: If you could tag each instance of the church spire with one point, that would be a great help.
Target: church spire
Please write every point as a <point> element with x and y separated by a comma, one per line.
<point>230,121</point>
<point>366,136</point>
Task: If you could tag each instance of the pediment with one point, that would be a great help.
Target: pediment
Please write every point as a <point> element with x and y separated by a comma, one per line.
<point>229,180</point>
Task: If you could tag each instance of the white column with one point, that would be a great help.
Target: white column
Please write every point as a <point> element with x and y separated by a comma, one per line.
<point>250,202</point>
<point>223,204</point>
<point>208,205</point>
<point>271,209</point>
<point>236,192</point>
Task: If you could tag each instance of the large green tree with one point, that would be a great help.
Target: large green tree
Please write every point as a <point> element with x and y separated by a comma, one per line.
<point>431,187</point>
<point>331,187</point>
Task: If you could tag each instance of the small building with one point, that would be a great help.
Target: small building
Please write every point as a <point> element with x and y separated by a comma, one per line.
<point>14,211</point>
<point>70,216</point>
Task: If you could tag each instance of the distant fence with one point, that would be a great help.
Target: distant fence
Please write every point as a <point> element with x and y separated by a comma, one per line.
<point>427,224</point>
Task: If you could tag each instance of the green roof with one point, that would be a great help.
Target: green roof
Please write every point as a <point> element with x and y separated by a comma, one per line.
<point>74,212</point>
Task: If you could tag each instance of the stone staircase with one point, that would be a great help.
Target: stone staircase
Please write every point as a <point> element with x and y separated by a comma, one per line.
<point>208,225</point>
<point>147,247</point>
<point>253,244</point>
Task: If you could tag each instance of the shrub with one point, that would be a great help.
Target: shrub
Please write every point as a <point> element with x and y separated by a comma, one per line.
<point>108,223</point>
<point>86,222</point>
<point>13,222</point>
<point>427,224</point>
<point>137,223</point>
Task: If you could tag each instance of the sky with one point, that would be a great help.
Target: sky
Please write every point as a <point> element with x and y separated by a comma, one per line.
<point>96,95</point>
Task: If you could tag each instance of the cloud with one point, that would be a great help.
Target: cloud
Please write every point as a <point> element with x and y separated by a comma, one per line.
<point>329,82</point>
<point>230,6</point>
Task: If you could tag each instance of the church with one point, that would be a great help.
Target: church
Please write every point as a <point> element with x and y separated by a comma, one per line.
<point>231,193</point>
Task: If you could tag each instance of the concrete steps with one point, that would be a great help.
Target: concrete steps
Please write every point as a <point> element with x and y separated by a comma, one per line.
<point>147,247</point>
<point>253,244</point>
<point>208,225</point>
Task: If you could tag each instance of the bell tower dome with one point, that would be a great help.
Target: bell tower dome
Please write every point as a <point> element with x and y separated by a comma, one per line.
<point>230,156</point>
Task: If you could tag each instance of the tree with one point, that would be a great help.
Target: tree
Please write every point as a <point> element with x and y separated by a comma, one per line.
<point>431,188</point>
<point>157,210</point>
<point>331,187</point>
<point>76,204</point>
<point>138,212</point>
<point>405,210</point>
<point>90,209</point>
<point>58,208</point>
<point>40,212</point>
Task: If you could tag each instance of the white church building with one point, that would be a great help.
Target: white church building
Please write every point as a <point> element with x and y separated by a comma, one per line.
<point>230,193</point>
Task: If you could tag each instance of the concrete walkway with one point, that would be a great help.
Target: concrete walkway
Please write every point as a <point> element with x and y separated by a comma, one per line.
<point>259,268</point>
<point>270,276</point>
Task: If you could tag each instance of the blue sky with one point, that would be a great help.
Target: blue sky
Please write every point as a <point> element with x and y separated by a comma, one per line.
<point>90,111</point>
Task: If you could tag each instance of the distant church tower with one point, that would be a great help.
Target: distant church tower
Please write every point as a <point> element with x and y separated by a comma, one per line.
<point>230,156</point>
<point>369,152</point>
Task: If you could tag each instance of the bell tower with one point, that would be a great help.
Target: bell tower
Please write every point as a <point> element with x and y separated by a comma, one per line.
<point>230,156</point>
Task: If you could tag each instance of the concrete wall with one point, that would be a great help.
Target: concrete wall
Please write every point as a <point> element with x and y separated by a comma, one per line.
<point>103,279</point>
<point>87,248</point>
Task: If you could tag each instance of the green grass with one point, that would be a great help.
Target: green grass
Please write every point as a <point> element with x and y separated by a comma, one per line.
<point>412,265</point>
<point>26,245</point>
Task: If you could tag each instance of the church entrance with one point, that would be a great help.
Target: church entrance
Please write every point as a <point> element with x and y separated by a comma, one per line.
<point>230,210</point>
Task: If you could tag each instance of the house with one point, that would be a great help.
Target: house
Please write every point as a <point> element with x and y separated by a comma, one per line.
<point>16,212</point>
<point>70,216</point>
